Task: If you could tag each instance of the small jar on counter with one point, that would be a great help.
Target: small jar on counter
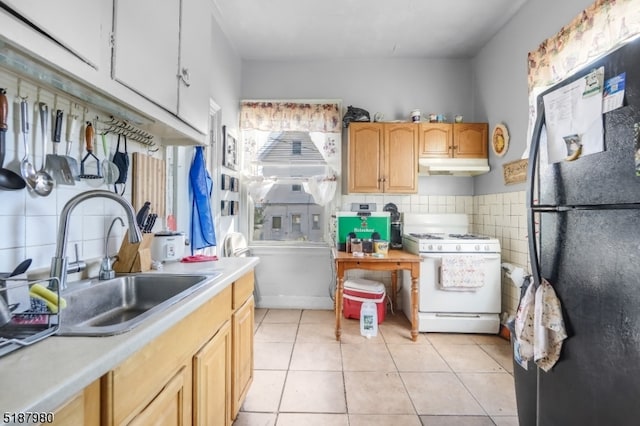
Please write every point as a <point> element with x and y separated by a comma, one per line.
<point>356,245</point>
<point>350,236</point>
<point>367,245</point>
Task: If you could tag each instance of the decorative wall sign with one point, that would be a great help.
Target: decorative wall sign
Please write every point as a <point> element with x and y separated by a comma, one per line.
<point>515,171</point>
<point>229,149</point>
<point>500,140</point>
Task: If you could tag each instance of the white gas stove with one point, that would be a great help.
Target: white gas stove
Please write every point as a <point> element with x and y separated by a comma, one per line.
<point>460,286</point>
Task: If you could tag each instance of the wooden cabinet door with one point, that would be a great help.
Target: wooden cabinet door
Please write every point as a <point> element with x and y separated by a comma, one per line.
<point>212,381</point>
<point>400,173</point>
<point>168,407</point>
<point>146,49</point>
<point>365,157</point>
<point>470,140</point>
<point>436,140</point>
<point>83,409</point>
<point>242,358</point>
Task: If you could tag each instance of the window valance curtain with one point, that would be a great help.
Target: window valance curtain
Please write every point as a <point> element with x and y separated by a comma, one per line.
<point>278,116</point>
<point>598,29</point>
<point>322,121</point>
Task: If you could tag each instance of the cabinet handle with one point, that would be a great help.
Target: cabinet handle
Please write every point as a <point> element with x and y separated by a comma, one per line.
<point>185,77</point>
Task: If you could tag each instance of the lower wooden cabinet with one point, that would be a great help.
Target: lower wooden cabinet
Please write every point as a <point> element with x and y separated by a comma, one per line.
<point>197,372</point>
<point>168,408</point>
<point>212,381</point>
<point>242,367</point>
<point>82,409</point>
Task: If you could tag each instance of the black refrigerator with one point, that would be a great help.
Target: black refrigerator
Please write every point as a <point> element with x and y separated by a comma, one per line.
<point>585,216</point>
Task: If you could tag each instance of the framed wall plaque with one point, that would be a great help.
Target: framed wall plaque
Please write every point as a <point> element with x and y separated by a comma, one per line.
<point>515,171</point>
<point>500,140</point>
<point>229,149</point>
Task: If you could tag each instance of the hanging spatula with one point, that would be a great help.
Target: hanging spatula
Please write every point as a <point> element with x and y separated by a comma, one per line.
<point>72,134</point>
<point>56,164</point>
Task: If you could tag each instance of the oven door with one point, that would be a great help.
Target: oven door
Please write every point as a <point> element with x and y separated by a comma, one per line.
<point>484,299</point>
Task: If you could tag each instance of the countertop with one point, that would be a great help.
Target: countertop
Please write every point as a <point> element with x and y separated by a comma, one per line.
<point>43,376</point>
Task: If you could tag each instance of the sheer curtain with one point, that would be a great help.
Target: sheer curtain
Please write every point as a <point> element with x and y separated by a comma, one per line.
<point>598,29</point>
<point>323,123</point>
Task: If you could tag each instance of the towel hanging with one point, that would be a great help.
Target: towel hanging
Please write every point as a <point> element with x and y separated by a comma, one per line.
<point>549,327</point>
<point>462,273</point>
<point>200,188</point>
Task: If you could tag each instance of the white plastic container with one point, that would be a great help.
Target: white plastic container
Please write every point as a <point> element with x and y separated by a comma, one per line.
<point>369,319</point>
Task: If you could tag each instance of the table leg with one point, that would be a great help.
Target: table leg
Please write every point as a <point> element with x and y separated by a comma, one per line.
<point>414,304</point>
<point>394,289</point>
<point>338,298</point>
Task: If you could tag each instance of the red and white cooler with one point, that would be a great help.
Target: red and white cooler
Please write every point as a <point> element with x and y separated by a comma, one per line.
<point>359,290</point>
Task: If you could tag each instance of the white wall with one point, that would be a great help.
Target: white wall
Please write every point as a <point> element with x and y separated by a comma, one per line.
<point>500,78</point>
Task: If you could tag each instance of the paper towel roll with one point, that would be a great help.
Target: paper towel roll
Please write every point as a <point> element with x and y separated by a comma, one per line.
<point>515,273</point>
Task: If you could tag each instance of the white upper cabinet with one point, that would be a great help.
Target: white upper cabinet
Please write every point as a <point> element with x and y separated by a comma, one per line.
<point>82,28</point>
<point>160,51</point>
<point>146,48</point>
<point>195,63</point>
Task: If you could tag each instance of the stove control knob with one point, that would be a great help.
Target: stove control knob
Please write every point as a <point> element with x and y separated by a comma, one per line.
<point>458,248</point>
<point>430,247</point>
<point>486,248</point>
<point>477,247</point>
<point>440,248</point>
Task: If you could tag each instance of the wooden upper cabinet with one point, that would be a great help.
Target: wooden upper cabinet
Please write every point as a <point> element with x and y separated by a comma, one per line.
<point>365,157</point>
<point>470,140</point>
<point>383,157</point>
<point>400,158</point>
<point>436,139</point>
<point>454,140</point>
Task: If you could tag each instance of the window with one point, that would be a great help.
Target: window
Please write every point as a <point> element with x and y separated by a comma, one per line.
<point>276,223</point>
<point>292,160</point>
<point>296,148</point>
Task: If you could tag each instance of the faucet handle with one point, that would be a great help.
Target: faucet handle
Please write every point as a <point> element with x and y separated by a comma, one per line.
<point>77,265</point>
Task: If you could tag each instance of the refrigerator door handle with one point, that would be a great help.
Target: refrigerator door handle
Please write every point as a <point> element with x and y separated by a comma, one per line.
<point>531,187</point>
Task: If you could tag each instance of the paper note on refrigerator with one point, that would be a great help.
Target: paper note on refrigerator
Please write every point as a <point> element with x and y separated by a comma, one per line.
<point>613,92</point>
<point>574,118</point>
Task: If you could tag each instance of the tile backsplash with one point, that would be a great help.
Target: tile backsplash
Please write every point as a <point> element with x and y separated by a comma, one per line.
<point>29,222</point>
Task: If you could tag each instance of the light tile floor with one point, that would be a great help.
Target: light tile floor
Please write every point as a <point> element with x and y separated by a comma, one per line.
<point>304,377</point>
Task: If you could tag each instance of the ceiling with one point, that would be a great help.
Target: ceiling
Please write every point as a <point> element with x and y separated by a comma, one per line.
<point>324,29</point>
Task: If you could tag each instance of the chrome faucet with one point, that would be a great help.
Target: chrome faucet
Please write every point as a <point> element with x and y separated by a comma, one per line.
<point>59,263</point>
<point>106,267</point>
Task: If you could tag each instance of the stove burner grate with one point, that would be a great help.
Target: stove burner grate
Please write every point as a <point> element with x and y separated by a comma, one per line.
<point>426,236</point>
<point>468,237</point>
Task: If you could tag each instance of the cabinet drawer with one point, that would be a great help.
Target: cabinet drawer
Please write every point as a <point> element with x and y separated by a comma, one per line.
<point>242,289</point>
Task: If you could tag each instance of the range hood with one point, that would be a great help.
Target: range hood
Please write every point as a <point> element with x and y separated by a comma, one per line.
<point>452,166</point>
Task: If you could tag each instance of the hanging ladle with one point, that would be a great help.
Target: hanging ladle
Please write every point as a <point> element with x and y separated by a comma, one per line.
<point>27,170</point>
<point>9,180</point>
<point>44,181</point>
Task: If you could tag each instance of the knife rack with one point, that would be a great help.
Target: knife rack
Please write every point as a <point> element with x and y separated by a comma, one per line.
<point>134,257</point>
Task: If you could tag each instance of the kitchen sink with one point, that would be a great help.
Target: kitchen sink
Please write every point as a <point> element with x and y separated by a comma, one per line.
<point>104,308</point>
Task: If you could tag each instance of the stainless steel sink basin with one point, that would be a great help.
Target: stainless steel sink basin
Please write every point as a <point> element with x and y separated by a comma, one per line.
<point>103,308</point>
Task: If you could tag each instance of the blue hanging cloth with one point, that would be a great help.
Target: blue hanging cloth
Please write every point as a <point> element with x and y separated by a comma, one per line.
<point>203,232</point>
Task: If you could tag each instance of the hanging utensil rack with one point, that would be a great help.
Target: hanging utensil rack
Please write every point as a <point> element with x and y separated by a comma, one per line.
<point>123,128</point>
<point>18,334</point>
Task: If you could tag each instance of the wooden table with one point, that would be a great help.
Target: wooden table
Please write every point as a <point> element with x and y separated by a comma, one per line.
<point>393,261</point>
